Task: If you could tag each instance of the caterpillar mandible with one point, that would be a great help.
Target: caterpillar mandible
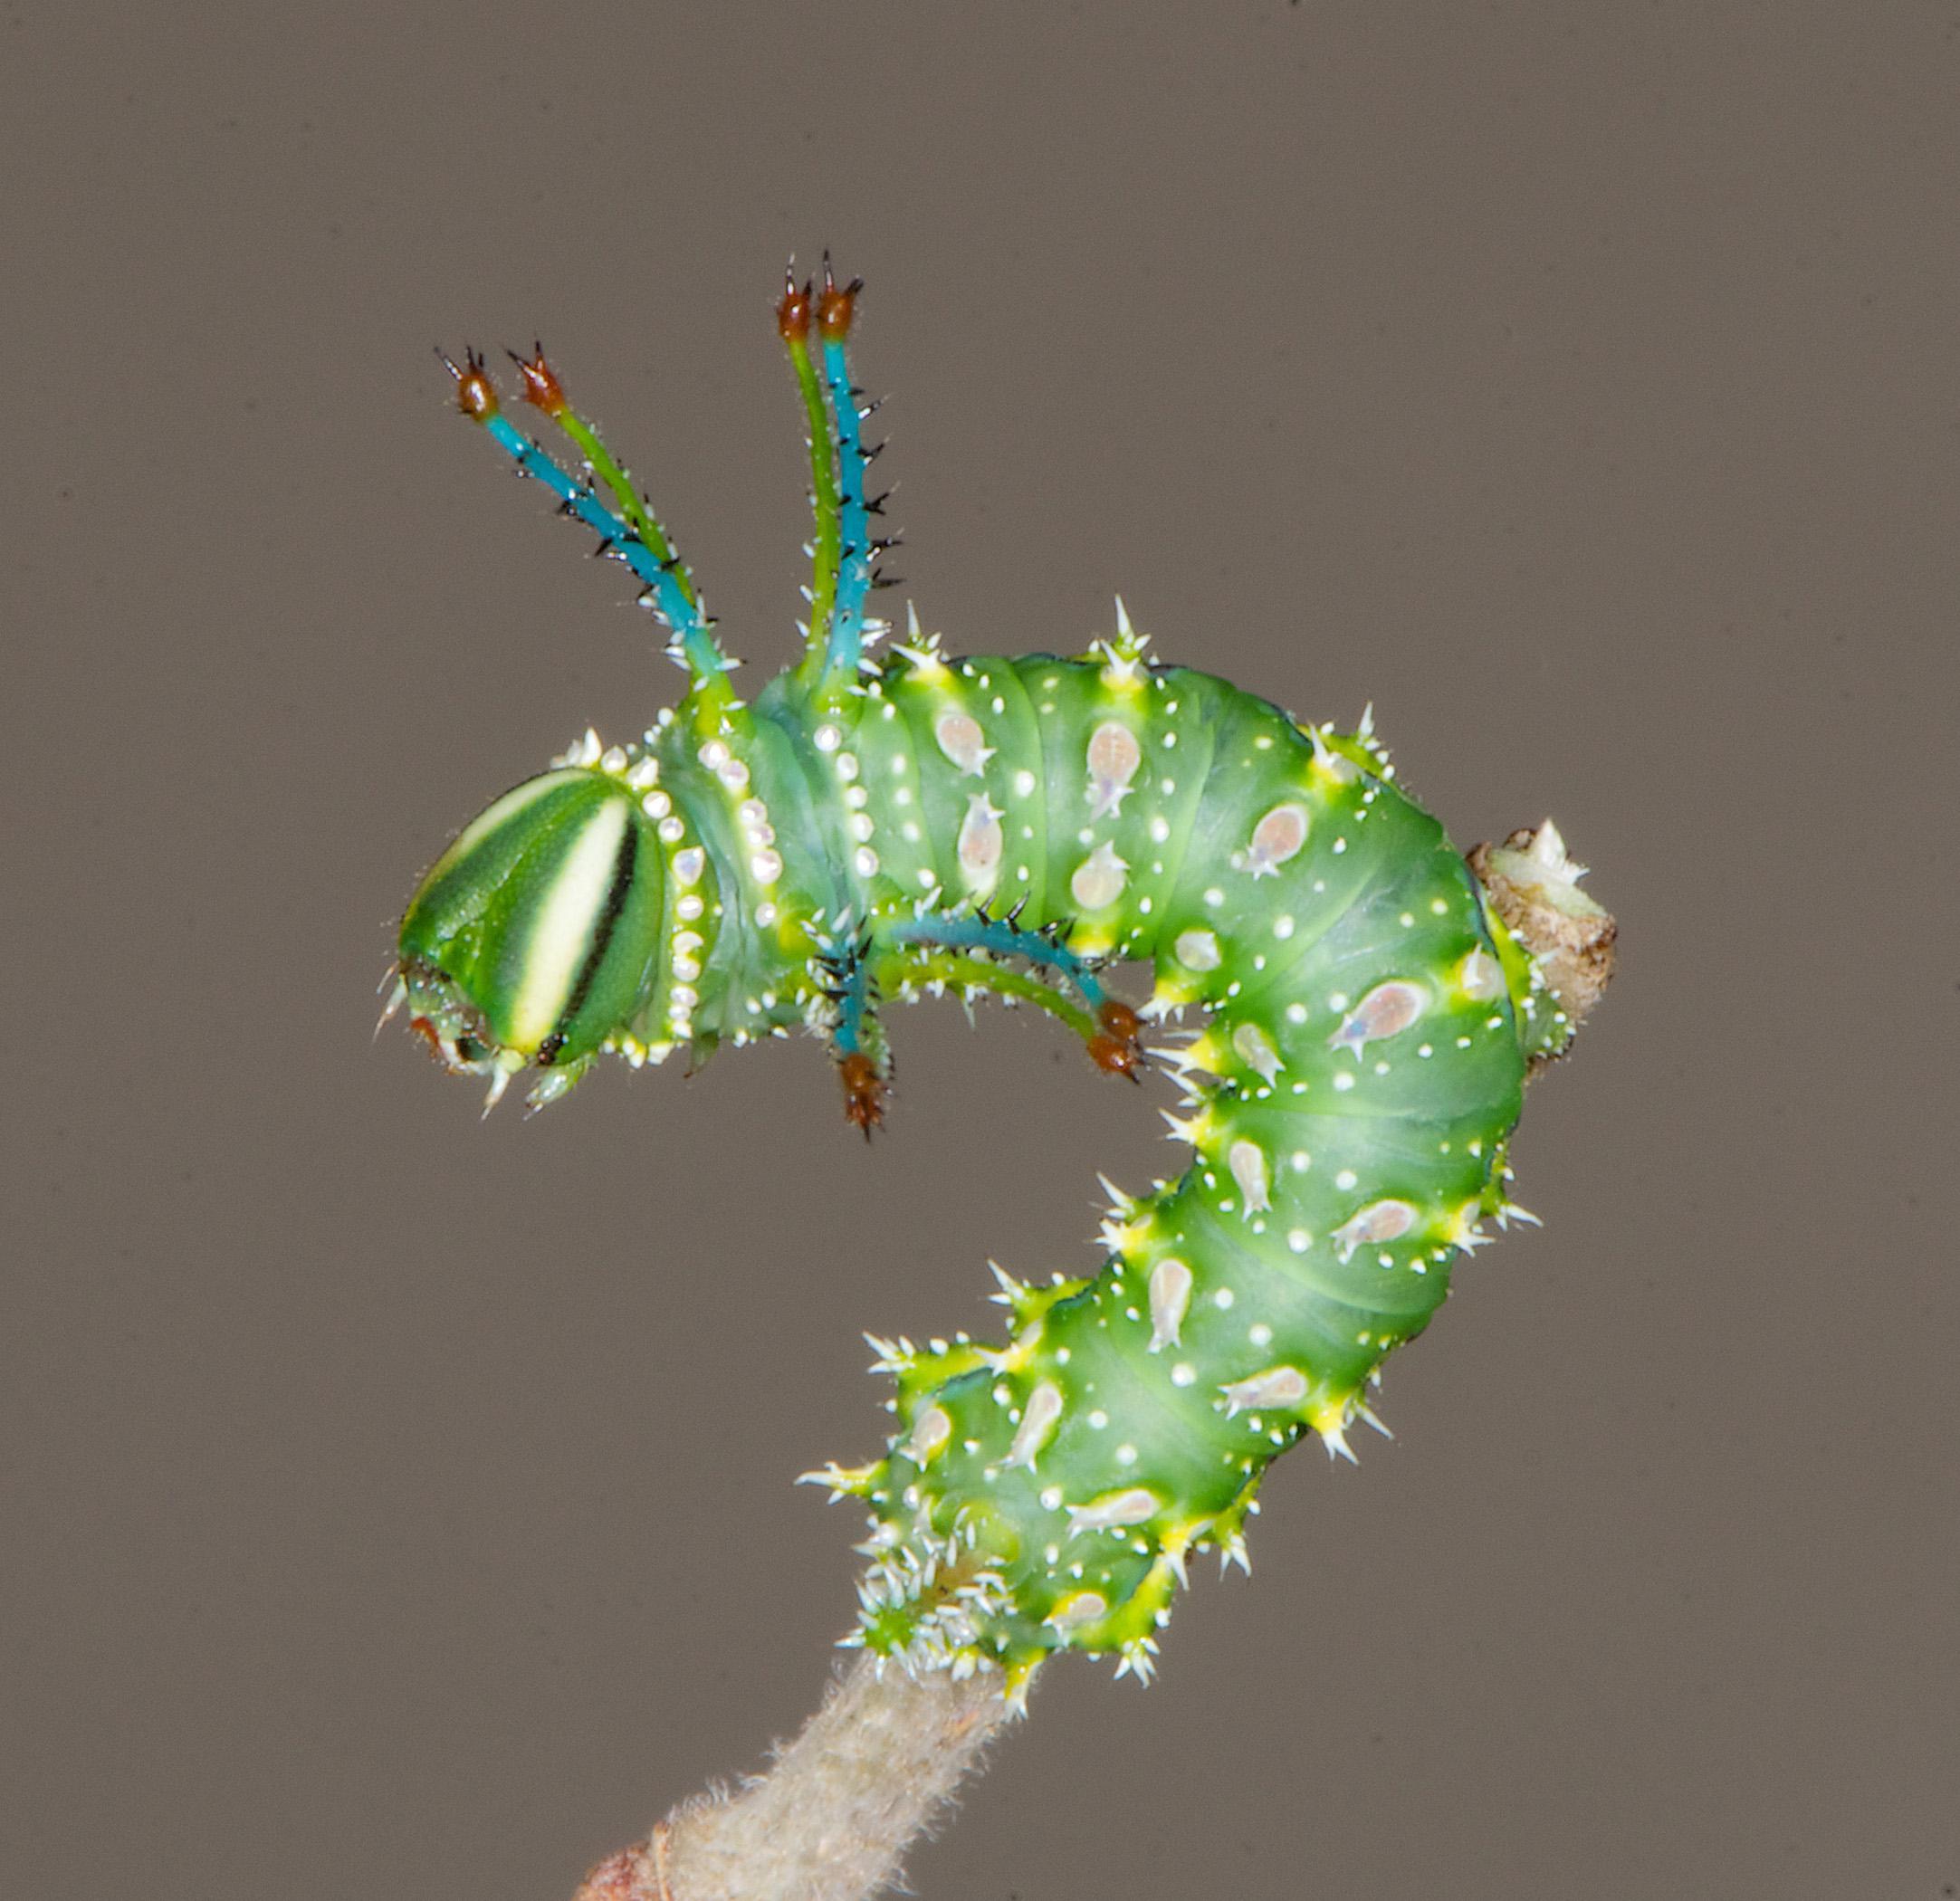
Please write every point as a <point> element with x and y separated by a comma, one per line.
<point>874,826</point>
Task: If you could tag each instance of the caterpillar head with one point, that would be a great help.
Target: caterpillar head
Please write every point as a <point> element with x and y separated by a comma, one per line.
<point>536,937</point>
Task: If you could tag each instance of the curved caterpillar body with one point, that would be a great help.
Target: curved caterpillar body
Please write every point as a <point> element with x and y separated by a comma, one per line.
<point>870,828</point>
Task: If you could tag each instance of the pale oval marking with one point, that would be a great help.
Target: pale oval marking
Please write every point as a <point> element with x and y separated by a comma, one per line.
<point>1283,1387</point>
<point>1113,1511</point>
<point>1198,950</point>
<point>1278,836</point>
<point>1246,1162</point>
<point>1256,1050</point>
<point>1038,1420</point>
<point>981,842</point>
<point>1169,1299</point>
<point>1114,758</point>
<point>1483,977</point>
<point>963,742</point>
<point>1378,1221</point>
<point>931,1434</point>
<point>1099,880</point>
<point>1086,1607</point>
<point>1386,1012</point>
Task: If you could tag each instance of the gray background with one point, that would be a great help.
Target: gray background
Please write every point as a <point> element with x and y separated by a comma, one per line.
<point>399,1506</point>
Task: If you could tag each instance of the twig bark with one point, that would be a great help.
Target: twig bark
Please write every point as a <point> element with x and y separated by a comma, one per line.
<point>883,1756</point>
<point>832,1817</point>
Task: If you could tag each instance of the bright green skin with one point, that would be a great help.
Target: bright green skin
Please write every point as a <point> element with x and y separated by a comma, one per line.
<point>1147,1456</point>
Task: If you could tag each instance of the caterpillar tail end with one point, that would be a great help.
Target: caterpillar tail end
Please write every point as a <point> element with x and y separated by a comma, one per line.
<point>1532,883</point>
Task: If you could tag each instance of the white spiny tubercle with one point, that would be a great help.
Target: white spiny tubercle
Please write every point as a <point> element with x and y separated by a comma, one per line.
<point>1332,1426</point>
<point>843,1480</point>
<point>894,1356</point>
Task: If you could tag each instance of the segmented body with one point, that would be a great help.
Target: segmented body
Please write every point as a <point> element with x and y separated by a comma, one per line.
<point>1362,1026</point>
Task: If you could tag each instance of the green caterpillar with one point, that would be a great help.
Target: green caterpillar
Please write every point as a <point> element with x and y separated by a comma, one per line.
<point>870,828</point>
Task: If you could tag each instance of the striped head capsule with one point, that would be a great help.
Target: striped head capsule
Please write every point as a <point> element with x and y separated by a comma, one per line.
<point>536,936</point>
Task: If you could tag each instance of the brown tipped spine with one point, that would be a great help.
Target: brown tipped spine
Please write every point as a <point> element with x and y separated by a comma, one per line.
<point>542,389</point>
<point>476,394</point>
